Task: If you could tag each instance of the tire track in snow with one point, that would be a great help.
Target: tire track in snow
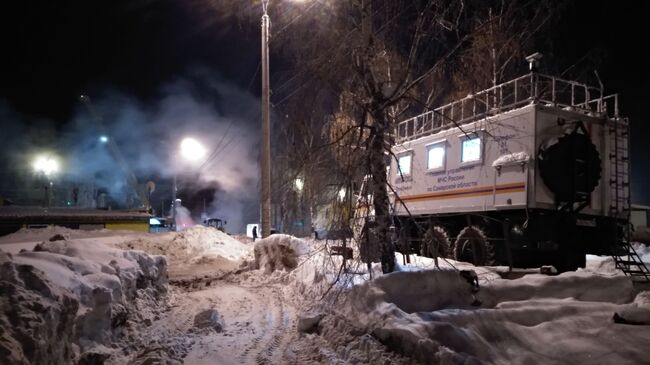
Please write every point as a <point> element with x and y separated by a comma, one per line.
<point>265,329</point>
<point>265,356</point>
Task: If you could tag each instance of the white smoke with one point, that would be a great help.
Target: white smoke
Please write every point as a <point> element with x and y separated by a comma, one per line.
<point>148,133</point>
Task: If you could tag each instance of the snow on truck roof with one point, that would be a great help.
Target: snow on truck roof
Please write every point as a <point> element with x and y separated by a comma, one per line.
<point>532,88</point>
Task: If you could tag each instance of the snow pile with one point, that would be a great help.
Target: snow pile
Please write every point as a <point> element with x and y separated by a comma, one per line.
<point>36,316</point>
<point>419,263</point>
<point>643,251</point>
<point>193,251</point>
<point>603,265</point>
<point>39,234</point>
<point>279,252</point>
<point>429,316</point>
<point>511,159</point>
<point>638,312</point>
<point>580,285</point>
<point>67,298</point>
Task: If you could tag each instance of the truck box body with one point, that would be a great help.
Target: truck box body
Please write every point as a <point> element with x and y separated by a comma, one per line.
<point>479,186</point>
<point>526,169</point>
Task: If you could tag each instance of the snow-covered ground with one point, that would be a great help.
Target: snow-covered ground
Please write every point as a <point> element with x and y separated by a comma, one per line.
<point>285,300</point>
<point>68,301</point>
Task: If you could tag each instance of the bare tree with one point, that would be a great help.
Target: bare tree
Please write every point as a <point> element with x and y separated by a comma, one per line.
<point>377,57</point>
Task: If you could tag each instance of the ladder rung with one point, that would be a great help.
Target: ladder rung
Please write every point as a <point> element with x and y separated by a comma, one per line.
<point>628,263</point>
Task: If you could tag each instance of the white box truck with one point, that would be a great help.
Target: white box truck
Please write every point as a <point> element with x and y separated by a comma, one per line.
<point>530,172</point>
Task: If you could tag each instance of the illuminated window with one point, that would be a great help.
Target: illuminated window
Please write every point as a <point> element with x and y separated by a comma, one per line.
<point>404,162</point>
<point>471,150</point>
<point>436,156</point>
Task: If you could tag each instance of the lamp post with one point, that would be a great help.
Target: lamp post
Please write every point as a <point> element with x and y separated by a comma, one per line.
<point>46,166</point>
<point>191,150</point>
<point>266,127</point>
<point>265,158</point>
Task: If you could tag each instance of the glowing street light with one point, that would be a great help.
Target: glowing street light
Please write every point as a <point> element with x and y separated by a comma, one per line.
<point>342,194</point>
<point>300,184</point>
<point>103,139</point>
<point>47,165</point>
<point>192,150</point>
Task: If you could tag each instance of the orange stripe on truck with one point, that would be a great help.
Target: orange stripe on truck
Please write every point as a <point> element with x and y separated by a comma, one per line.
<point>466,193</point>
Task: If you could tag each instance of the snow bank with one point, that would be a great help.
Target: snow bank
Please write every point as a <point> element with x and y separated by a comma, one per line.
<point>420,263</point>
<point>579,285</point>
<point>419,291</point>
<point>279,252</point>
<point>638,312</point>
<point>194,251</point>
<point>36,316</point>
<point>643,251</point>
<point>428,315</point>
<point>191,245</point>
<point>66,298</point>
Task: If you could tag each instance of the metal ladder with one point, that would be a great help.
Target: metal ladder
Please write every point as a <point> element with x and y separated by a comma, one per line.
<point>624,255</point>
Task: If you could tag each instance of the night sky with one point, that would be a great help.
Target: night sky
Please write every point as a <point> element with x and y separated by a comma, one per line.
<point>52,51</point>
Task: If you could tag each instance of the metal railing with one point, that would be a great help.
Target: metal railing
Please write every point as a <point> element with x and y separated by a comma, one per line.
<point>513,94</point>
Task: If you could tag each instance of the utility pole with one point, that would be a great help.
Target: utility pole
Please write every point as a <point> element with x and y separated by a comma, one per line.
<point>265,198</point>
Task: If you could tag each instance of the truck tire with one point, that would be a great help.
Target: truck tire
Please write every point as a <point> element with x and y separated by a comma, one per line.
<point>435,243</point>
<point>473,246</point>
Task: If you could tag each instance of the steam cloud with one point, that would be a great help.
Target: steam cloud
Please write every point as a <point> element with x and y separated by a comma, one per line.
<point>199,105</point>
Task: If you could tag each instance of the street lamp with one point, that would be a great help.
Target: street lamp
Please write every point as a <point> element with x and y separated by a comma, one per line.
<point>46,165</point>
<point>266,127</point>
<point>191,150</point>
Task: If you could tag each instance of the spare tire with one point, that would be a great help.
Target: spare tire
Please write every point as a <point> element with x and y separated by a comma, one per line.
<point>435,243</point>
<point>570,165</point>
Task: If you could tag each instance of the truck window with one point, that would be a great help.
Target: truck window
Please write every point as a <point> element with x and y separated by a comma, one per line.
<point>404,162</point>
<point>436,156</point>
<point>471,150</point>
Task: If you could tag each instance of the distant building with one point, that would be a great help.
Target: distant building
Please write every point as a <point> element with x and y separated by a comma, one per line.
<point>13,218</point>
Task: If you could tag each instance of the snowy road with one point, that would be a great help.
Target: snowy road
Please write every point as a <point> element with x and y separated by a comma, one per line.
<point>257,321</point>
<point>260,326</point>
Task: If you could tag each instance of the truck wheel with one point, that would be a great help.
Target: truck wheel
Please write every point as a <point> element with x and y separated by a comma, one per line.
<point>435,242</point>
<point>473,246</point>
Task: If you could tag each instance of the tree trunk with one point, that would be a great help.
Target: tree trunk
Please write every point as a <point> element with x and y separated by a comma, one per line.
<point>379,190</point>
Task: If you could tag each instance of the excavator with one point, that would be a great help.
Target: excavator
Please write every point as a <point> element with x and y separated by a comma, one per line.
<point>141,191</point>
